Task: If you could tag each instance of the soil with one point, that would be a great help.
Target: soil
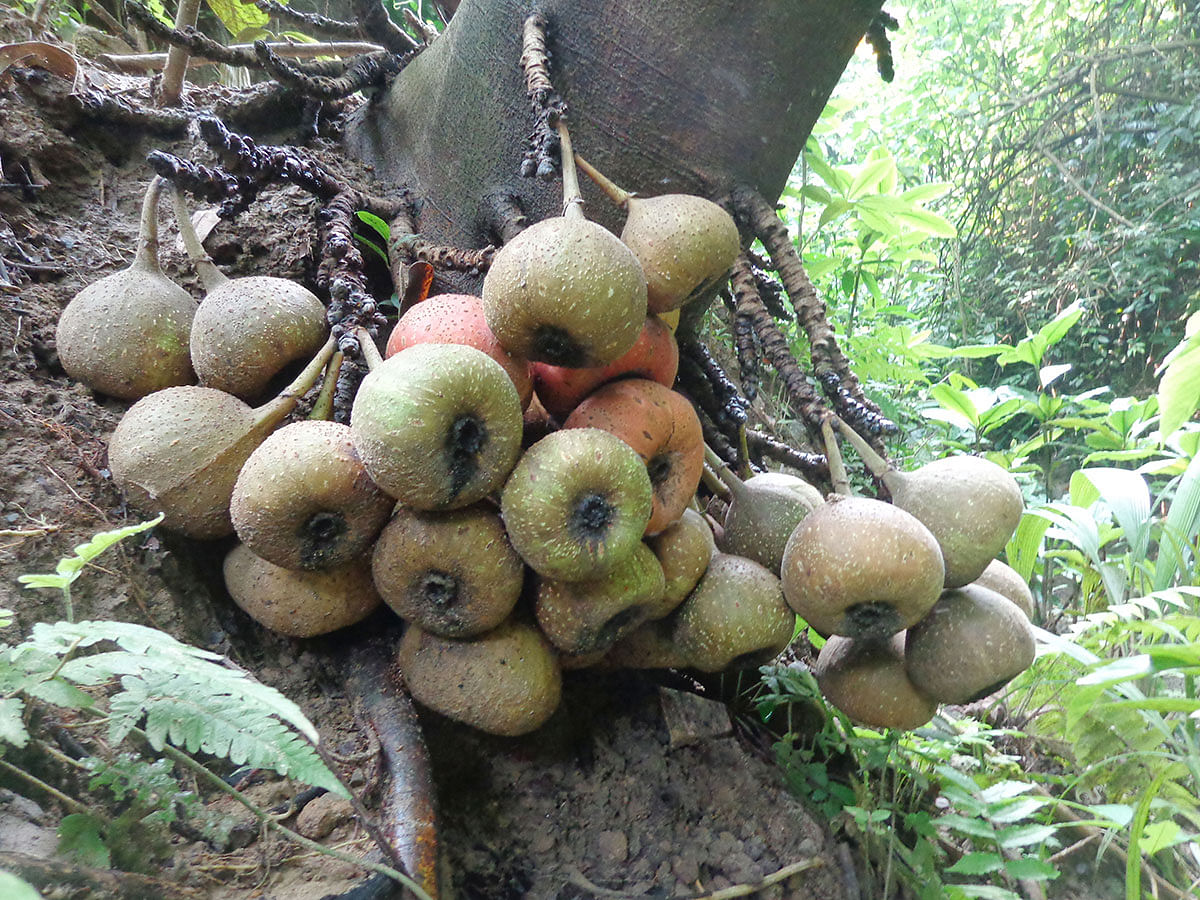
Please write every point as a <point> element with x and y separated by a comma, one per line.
<point>606,797</point>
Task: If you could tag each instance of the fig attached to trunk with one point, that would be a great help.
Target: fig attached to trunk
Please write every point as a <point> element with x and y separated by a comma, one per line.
<point>453,574</point>
<point>304,501</point>
<point>577,504</point>
<point>127,334</point>
<point>506,681</point>
<point>180,450</point>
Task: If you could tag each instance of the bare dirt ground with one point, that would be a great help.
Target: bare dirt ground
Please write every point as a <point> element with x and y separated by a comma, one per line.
<point>600,799</point>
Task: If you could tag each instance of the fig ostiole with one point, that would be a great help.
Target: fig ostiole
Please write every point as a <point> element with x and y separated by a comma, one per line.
<point>304,501</point>
<point>685,243</point>
<point>438,426</point>
<point>127,334</point>
<point>247,330</point>
<point>299,604</point>
<point>566,291</point>
<point>453,574</point>
<point>506,681</point>
<point>971,505</point>
<point>180,450</point>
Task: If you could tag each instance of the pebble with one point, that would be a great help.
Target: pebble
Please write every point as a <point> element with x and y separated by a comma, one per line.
<point>612,846</point>
<point>322,815</point>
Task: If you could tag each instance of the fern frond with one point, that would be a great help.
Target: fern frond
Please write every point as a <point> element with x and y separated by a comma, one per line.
<point>12,722</point>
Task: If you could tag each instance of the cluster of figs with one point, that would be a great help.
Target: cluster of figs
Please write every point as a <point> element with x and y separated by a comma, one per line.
<point>518,481</point>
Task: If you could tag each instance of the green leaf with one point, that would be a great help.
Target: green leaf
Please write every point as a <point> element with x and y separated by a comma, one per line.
<point>6,618</point>
<point>1047,375</point>
<point>14,888</point>
<point>955,401</point>
<point>977,864</point>
<point>969,825</point>
<point>1123,669</point>
<point>12,722</point>
<point>1024,835</point>
<point>1128,496</point>
<point>79,837</point>
<point>237,16</point>
<point>1056,329</point>
<point>374,247</point>
<point>69,567</point>
<point>1161,835</point>
<point>60,693</point>
<point>1179,389</point>
<point>870,176</point>
<point>986,892</point>
<point>838,179</point>
<point>928,222</point>
<point>381,227</point>
<point>1032,868</point>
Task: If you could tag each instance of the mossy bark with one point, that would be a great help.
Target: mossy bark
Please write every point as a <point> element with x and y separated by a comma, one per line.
<point>677,95</point>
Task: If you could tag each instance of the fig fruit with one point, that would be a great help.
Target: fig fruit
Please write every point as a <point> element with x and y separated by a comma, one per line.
<point>453,574</point>
<point>736,618</point>
<point>506,681</point>
<point>299,604</point>
<point>127,334</point>
<point>576,504</point>
<point>304,501</point>
<point>566,291</point>
<point>867,681</point>
<point>438,426</point>
<point>1005,581</point>
<point>970,644</point>
<point>180,450</point>
<point>684,550</point>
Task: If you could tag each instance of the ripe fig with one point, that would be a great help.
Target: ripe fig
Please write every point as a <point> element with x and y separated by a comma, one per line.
<point>507,681</point>
<point>453,574</point>
<point>576,504</point>
<point>458,319</point>
<point>438,426</point>
<point>299,604</point>
<point>970,644</point>
<point>566,291</point>
<point>684,551</point>
<point>180,450</point>
<point>762,514</point>
<point>971,505</point>
<point>126,335</point>
<point>247,330</point>
<point>589,616</point>
<point>736,618</point>
<point>861,568</point>
<point>684,242</point>
<point>662,427</point>
<point>304,501</point>
<point>867,681</point>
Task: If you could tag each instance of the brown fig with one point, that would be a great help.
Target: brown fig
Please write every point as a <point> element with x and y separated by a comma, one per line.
<point>577,504</point>
<point>304,501</point>
<point>507,681</point>
<point>1005,581</point>
<point>971,505</point>
<point>180,450</point>
<point>971,643</point>
<point>735,618</point>
<point>566,291</point>
<point>438,426</point>
<point>649,646</point>
<point>126,335</point>
<point>299,604</point>
<point>247,330</point>
<point>453,574</point>
<point>684,551</point>
<point>867,681</point>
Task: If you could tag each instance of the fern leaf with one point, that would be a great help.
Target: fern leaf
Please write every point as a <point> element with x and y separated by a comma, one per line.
<point>12,722</point>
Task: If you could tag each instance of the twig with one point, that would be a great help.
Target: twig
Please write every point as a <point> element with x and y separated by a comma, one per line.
<point>137,62</point>
<point>69,802</point>
<point>370,70</point>
<point>311,22</point>
<point>177,57</point>
<point>542,156</point>
<point>1081,190</point>
<point>577,878</point>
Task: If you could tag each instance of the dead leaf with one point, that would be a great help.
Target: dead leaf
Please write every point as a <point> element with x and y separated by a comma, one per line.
<point>50,57</point>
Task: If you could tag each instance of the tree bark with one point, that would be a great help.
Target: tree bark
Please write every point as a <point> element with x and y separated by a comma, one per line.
<point>671,96</point>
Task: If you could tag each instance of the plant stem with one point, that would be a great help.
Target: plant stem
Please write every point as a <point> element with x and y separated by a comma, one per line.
<point>210,275</point>
<point>837,469</point>
<point>146,256</point>
<point>68,603</point>
<point>177,57</point>
<point>270,822</point>
<point>69,802</point>
<point>370,353</point>
<point>877,464</point>
<point>572,198</point>
<point>616,194</point>
<point>323,406</point>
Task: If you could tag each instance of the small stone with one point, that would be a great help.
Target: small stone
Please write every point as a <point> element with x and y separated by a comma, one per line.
<point>612,846</point>
<point>322,815</point>
<point>686,869</point>
<point>755,848</point>
<point>543,842</point>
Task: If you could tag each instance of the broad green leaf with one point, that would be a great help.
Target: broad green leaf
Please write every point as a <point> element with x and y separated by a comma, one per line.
<point>372,246</point>
<point>1128,496</point>
<point>925,192</point>
<point>1123,669</point>
<point>381,227</point>
<point>1047,375</point>
<point>1160,704</point>
<point>870,176</point>
<point>69,567</point>
<point>977,864</point>
<point>1179,390</point>
<point>237,16</point>
<point>954,400</point>
<point>1180,527</point>
<point>60,693</point>
<point>832,211</point>
<point>970,825</point>
<point>1005,790</point>
<point>1025,545</point>
<point>1056,329</point>
<point>838,179</point>
<point>985,892</point>
<point>1161,835</point>
<point>979,351</point>
<point>1025,835</point>
<point>14,888</point>
<point>6,618</point>
<point>928,222</point>
<point>12,724</point>
<point>1032,868</point>
<point>817,194</point>
<point>79,837</point>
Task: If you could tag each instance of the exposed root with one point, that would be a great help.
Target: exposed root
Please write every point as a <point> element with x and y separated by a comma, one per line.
<point>505,217</point>
<point>372,70</point>
<point>53,93</point>
<point>312,23</point>
<point>542,158</point>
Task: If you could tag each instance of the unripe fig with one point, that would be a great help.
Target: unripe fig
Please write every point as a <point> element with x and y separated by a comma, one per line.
<point>684,551</point>
<point>506,681</point>
<point>566,291</point>
<point>126,335</point>
<point>971,505</point>
<point>438,426</point>
<point>247,330</point>
<point>649,646</point>
<point>867,681</point>
<point>735,618</point>
<point>180,450</point>
<point>861,568</point>
<point>971,643</point>
<point>577,504</point>
<point>1005,581</point>
<point>590,616</point>
<point>304,501</point>
<point>299,604</point>
<point>458,319</point>
<point>453,574</point>
<point>683,242</point>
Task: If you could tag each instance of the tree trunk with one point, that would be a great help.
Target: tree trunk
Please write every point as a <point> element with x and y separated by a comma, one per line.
<point>676,95</point>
